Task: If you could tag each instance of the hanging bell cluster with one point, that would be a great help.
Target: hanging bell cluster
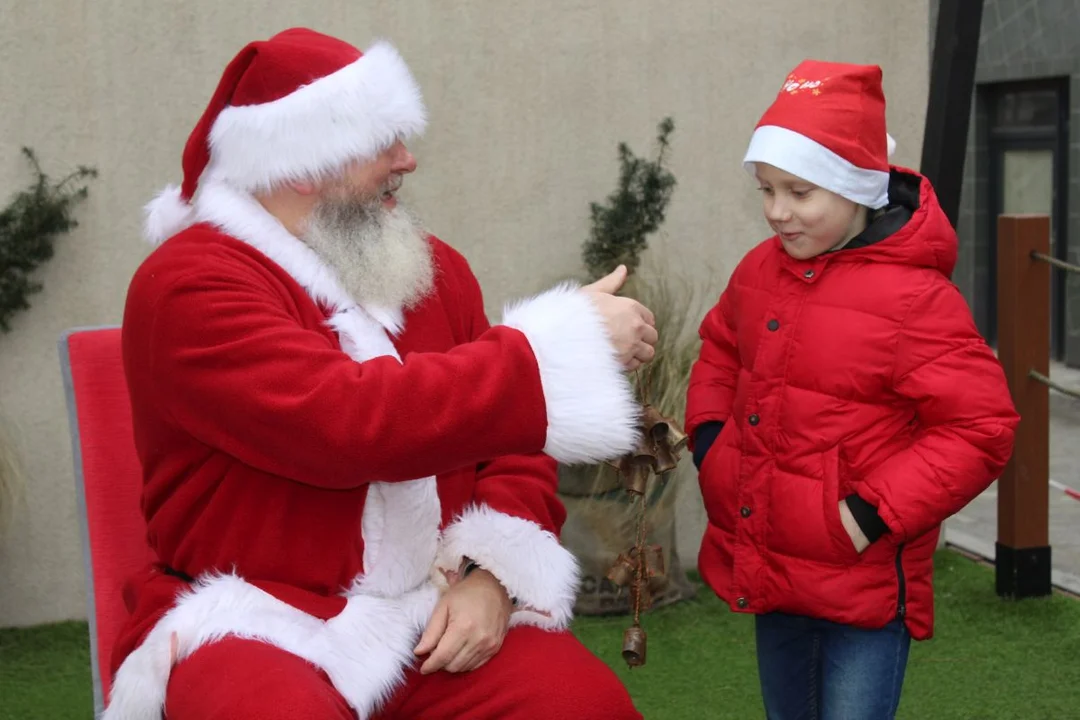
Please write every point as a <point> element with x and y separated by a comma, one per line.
<point>641,568</point>
<point>657,452</point>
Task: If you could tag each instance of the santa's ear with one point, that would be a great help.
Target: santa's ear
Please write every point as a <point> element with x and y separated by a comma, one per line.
<point>303,187</point>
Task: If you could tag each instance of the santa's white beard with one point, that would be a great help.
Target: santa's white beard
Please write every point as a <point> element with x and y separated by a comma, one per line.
<point>381,257</point>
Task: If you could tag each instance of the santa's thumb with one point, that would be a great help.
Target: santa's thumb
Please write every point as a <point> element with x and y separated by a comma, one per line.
<point>610,283</point>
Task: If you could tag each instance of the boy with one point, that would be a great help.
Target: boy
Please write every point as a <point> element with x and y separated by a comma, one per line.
<point>842,407</point>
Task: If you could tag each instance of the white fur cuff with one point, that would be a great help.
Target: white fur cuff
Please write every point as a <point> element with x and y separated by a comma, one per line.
<point>591,412</point>
<point>529,561</point>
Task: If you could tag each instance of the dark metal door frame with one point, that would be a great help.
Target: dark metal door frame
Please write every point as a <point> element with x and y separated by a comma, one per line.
<point>1054,138</point>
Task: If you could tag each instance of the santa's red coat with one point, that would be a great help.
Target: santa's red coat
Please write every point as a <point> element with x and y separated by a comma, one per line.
<point>317,466</point>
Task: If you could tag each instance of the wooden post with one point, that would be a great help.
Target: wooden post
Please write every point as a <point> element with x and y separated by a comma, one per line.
<point>1023,545</point>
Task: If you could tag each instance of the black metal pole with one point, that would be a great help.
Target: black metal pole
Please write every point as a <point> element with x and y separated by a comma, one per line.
<point>952,83</point>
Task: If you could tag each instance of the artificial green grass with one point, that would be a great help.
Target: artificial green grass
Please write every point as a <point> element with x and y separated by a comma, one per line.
<point>990,659</point>
<point>45,673</point>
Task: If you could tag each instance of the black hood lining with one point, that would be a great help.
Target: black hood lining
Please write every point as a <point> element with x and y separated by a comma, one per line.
<point>887,221</point>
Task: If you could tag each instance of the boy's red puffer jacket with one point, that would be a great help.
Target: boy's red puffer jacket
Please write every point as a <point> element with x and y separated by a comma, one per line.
<point>858,374</point>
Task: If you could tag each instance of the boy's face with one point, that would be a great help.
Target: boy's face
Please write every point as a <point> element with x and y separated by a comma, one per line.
<point>809,220</point>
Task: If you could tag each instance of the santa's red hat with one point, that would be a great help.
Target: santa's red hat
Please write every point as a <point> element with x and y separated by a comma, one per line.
<point>827,126</point>
<point>291,108</point>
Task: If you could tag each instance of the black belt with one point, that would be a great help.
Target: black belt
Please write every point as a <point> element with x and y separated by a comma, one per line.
<point>177,574</point>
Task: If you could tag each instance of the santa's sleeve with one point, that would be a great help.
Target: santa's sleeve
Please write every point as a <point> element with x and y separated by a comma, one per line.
<point>233,367</point>
<point>512,528</point>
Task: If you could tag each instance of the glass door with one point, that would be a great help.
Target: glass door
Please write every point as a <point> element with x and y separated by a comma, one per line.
<point>1028,143</point>
<point>1027,187</point>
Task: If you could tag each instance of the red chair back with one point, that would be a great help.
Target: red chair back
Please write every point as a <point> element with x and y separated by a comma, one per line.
<point>108,485</point>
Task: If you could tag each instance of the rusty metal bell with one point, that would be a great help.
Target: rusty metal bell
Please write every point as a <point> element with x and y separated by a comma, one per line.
<point>666,461</point>
<point>633,647</point>
<point>677,439</point>
<point>623,570</point>
<point>651,417</point>
<point>665,428</point>
<point>645,452</point>
<point>657,584</point>
<point>660,431</point>
<point>634,473</point>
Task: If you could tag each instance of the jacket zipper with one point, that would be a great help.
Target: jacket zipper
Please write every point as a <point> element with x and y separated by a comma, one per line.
<point>901,581</point>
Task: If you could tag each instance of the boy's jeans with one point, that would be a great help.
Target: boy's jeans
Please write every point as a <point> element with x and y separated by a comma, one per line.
<point>817,670</point>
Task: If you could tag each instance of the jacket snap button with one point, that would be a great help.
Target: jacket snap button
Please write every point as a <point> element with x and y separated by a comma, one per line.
<point>754,419</point>
<point>742,603</point>
<point>745,512</point>
<point>808,274</point>
<point>773,325</point>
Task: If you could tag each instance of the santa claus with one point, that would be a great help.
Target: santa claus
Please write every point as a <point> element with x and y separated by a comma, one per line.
<point>349,474</point>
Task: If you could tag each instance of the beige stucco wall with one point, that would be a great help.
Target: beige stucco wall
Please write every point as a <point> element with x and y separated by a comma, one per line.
<point>527,99</point>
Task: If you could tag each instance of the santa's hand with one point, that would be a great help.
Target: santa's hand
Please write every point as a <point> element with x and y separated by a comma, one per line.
<point>631,326</point>
<point>468,625</point>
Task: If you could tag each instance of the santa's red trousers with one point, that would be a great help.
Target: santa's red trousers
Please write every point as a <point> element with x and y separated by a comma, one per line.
<point>537,675</point>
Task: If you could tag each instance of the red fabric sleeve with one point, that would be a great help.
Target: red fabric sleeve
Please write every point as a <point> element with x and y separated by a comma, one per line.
<point>239,372</point>
<point>715,374</point>
<point>964,410</point>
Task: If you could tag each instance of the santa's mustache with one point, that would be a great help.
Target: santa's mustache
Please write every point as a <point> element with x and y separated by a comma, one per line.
<point>393,184</point>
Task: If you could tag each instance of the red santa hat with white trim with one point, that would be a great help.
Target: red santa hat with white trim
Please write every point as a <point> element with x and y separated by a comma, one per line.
<point>293,107</point>
<point>827,126</point>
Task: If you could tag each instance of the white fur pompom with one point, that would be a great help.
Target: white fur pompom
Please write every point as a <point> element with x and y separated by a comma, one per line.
<point>890,145</point>
<point>166,215</point>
